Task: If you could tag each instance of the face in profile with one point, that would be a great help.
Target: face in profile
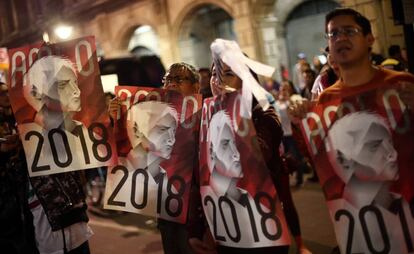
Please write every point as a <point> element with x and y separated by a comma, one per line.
<point>363,147</point>
<point>51,83</point>
<point>223,149</point>
<point>376,154</point>
<point>65,89</point>
<point>162,136</point>
<point>153,126</point>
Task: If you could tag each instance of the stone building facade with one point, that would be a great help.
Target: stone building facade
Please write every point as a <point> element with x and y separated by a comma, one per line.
<point>266,30</point>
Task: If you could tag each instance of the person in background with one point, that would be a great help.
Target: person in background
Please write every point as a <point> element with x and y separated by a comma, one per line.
<point>317,65</point>
<point>395,60</point>
<point>298,80</point>
<point>204,81</point>
<point>328,76</point>
<point>271,86</point>
<point>288,141</point>
<point>284,72</point>
<point>308,76</point>
<point>376,59</point>
<point>16,230</point>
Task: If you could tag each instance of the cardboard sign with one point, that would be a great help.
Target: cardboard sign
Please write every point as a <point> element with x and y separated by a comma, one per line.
<point>157,141</point>
<point>59,105</point>
<point>238,195</point>
<point>362,147</point>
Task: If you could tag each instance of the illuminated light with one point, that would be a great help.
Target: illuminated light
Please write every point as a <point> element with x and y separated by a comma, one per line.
<point>63,32</point>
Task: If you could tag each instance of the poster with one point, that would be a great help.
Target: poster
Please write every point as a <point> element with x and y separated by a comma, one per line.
<point>362,147</point>
<point>157,141</point>
<point>59,106</point>
<point>238,196</point>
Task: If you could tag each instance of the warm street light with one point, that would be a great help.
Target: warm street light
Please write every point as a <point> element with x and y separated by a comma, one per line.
<point>63,31</point>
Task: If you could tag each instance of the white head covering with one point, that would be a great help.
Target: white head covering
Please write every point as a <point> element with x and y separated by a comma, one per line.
<point>230,53</point>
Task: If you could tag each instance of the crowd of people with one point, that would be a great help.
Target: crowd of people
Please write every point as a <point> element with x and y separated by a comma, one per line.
<point>47,214</point>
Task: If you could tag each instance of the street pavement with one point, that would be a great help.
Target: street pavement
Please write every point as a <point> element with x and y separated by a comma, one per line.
<point>125,233</point>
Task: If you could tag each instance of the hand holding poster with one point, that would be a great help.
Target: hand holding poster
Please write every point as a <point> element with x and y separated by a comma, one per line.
<point>238,195</point>
<point>62,127</point>
<point>156,137</point>
<point>362,148</point>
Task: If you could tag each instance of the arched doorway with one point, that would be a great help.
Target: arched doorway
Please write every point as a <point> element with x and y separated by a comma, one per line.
<point>144,42</point>
<point>305,29</point>
<point>199,29</point>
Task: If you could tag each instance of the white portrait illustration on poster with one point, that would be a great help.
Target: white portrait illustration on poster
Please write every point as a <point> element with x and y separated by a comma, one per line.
<point>361,151</point>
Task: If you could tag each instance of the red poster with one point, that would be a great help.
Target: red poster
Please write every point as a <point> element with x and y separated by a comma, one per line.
<point>157,140</point>
<point>238,195</point>
<point>59,105</point>
<point>362,147</point>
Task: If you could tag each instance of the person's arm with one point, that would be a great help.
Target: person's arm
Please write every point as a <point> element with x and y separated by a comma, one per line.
<point>269,132</point>
<point>297,110</point>
<point>199,236</point>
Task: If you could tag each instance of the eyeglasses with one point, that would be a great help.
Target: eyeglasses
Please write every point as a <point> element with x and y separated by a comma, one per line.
<point>346,31</point>
<point>177,79</point>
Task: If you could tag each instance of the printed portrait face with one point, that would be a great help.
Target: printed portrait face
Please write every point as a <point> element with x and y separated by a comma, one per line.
<point>162,136</point>
<point>65,89</point>
<point>376,154</point>
<point>51,82</point>
<point>153,125</point>
<point>362,146</point>
<point>225,158</point>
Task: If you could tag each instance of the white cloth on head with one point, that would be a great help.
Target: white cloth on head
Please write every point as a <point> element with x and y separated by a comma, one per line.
<point>230,53</point>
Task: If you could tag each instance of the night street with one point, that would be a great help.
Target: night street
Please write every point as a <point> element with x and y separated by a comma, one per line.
<point>128,233</point>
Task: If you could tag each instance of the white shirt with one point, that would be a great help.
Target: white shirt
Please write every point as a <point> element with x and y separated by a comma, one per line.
<point>281,110</point>
<point>51,242</point>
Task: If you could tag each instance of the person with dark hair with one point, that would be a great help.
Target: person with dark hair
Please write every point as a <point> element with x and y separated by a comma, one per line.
<point>183,78</point>
<point>16,230</point>
<point>359,19</point>
<point>205,76</point>
<point>328,76</point>
<point>395,60</point>
<point>297,78</point>
<point>269,133</point>
<point>350,41</point>
<point>308,76</point>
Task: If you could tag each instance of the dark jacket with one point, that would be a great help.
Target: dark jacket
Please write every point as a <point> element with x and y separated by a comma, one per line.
<point>62,197</point>
<point>16,220</point>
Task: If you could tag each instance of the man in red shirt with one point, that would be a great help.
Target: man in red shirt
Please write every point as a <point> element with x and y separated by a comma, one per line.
<point>364,90</point>
<point>350,41</point>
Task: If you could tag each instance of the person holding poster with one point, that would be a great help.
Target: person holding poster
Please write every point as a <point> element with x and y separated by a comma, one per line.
<point>16,230</point>
<point>51,88</point>
<point>224,173</point>
<point>159,138</point>
<point>360,135</point>
<point>62,127</point>
<point>60,135</point>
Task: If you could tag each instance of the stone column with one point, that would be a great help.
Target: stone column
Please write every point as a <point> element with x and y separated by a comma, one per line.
<point>244,29</point>
<point>268,40</point>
